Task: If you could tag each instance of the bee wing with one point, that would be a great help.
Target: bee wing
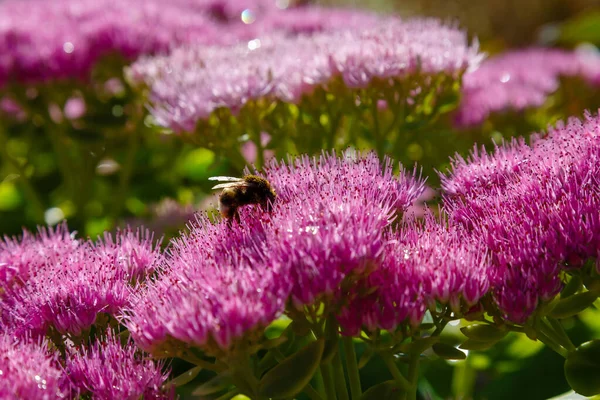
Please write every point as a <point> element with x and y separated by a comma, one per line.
<point>225,179</point>
<point>230,184</point>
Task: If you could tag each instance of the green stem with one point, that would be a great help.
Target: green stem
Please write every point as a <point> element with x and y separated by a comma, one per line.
<point>396,374</point>
<point>340,379</point>
<point>352,368</point>
<point>312,393</point>
<point>28,189</point>
<point>550,343</point>
<point>200,363</point>
<point>413,375</point>
<point>379,140</point>
<point>328,381</point>
<point>556,327</point>
<point>127,170</point>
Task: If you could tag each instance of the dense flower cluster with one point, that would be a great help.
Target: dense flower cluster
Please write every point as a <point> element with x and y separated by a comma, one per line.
<point>64,283</point>
<point>42,40</point>
<point>223,281</point>
<point>521,79</point>
<point>331,218</point>
<point>28,370</point>
<point>536,209</point>
<point>424,263</point>
<point>192,82</point>
<point>108,370</point>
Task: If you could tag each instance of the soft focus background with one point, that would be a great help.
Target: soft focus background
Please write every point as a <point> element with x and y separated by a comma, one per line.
<point>166,181</point>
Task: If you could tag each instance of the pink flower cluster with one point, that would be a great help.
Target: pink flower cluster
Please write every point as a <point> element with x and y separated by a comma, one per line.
<point>65,39</point>
<point>332,238</point>
<point>54,281</point>
<point>535,207</point>
<point>190,83</point>
<point>521,79</point>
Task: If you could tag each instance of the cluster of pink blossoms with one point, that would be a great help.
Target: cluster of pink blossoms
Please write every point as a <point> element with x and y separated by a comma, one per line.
<point>65,39</point>
<point>193,81</point>
<point>519,80</point>
<point>334,235</point>
<point>535,207</point>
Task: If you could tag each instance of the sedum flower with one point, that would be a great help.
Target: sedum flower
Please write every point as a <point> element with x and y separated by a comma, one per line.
<point>225,281</point>
<point>218,286</point>
<point>23,256</point>
<point>190,84</point>
<point>424,263</point>
<point>521,79</point>
<point>536,213</point>
<point>64,39</point>
<point>28,370</point>
<point>106,369</point>
<point>66,293</point>
<point>331,218</point>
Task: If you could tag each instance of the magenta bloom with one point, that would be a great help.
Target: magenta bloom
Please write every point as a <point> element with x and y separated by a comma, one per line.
<point>223,281</point>
<point>192,82</point>
<point>41,40</point>
<point>537,211</point>
<point>108,370</point>
<point>424,263</point>
<point>21,257</point>
<point>29,371</point>
<point>219,285</point>
<point>521,79</point>
<point>67,292</point>
<point>331,218</point>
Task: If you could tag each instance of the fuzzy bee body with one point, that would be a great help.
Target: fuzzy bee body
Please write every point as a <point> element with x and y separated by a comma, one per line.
<point>239,192</point>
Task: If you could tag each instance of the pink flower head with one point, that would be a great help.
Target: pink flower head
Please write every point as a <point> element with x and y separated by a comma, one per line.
<point>42,40</point>
<point>331,216</point>
<point>134,254</point>
<point>219,286</point>
<point>521,79</point>
<point>28,371</point>
<point>21,257</point>
<point>425,262</point>
<point>107,370</point>
<point>537,214</point>
<point>69,291</point>
<point>192,82</point>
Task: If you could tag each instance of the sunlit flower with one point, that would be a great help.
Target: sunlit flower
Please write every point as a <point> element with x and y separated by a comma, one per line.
<point>331,218</point>
<point>535,208</point>
<point>521,79</point>
<point>192,82</point>
<point>107,370</point>
<point>67,291</point>
<point>425,263</point>
<point>28,370</point>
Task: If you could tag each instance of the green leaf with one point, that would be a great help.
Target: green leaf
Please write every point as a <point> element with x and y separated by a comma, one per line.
<point>573,305</point>
<point>383,391</point>
<point>448,352</point>
<point>331,349</point>
<point>484,332</point>
<point>291,376</point>
<point>572,287</point>
<point>471,344</point>
<point>184,378</point>
<point>582,368</point>
<point>214,385</point>
<point>422,344</point>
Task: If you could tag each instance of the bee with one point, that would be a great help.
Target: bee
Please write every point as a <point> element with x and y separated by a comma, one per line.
<point>238,192</point>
